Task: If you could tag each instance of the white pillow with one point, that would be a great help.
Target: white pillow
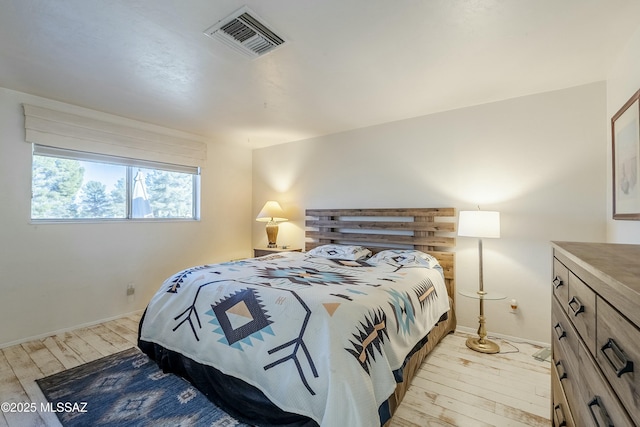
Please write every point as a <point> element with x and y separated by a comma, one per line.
<point>349,252</point>
<point>404,258</point>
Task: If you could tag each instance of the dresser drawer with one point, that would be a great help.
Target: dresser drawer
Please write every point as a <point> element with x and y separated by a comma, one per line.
<point>618,355</point>
<point>581,309</point>
<point>560,281</point>
<point>565,391</point>
<point>565,363</point>
<point>597,404</point>
<point>561,411</point>
<point>564,336</point>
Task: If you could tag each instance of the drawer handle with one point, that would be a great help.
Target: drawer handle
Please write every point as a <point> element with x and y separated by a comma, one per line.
<point>601,409</point>
<point>564,371</point>
<point>556,418</point>
<point>576,301</point>
<point>562,333</point>
<point>620,355</point>
<point>557,282</point>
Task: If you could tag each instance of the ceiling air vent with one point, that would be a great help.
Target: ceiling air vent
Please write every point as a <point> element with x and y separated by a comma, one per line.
<point>246,33</point>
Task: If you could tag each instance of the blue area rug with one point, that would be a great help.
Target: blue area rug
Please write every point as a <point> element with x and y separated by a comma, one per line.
<point>128,389</point>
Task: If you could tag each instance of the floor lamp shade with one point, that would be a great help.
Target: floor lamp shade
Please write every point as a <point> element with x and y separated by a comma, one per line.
<point>272,214</point>
<point>480,224</point>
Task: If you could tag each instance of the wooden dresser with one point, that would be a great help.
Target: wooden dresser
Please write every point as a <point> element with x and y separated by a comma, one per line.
<point>595,334</point>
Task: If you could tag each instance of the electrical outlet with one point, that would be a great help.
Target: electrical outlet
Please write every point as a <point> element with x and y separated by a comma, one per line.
<point>131,289</point>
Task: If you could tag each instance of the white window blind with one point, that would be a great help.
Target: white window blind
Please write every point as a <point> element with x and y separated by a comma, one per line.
<point>63,153</point>
<point>64,130</point>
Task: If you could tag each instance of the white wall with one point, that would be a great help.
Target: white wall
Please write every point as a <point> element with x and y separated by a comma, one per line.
<point>57,276</point>
<point>538,159</point>
<point>622,82</point>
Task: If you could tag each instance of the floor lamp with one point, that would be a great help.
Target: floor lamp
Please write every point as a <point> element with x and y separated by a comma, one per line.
<point>480,224</point>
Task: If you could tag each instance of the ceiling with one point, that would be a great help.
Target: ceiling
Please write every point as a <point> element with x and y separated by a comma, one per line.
<point>346,64</point>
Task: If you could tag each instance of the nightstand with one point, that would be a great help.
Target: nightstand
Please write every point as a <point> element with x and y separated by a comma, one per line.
<point>269,251</point>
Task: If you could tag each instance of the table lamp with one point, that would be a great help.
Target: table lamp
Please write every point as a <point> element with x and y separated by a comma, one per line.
<point>272,214</point>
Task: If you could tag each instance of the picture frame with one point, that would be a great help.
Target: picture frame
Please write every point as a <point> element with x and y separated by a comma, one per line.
<point>625,154</point>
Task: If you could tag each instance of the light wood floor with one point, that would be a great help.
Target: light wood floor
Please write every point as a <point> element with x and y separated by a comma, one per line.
<point>455,386</point>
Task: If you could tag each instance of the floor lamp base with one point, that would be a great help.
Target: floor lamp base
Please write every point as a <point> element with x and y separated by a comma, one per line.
<point>483,346</point>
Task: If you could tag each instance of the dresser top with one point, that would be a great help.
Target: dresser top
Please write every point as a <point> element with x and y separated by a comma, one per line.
<point>607,261</point>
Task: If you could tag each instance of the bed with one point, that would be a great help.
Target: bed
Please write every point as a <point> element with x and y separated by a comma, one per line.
<point>328,337</point>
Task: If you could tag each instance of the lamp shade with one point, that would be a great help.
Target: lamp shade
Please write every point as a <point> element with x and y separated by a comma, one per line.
<point>271,211</point>
<point>479,224</point>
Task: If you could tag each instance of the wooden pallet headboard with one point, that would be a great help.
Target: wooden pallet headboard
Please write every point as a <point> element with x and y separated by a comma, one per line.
<point>388,228</point>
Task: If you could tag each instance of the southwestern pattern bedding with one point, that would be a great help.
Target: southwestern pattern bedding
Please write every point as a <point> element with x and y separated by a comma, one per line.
<point>324,340</point>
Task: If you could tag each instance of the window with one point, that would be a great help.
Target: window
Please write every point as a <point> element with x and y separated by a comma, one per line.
<point>74,185</point>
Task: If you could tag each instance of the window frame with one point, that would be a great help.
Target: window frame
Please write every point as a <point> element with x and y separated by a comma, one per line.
<point>131,165</point>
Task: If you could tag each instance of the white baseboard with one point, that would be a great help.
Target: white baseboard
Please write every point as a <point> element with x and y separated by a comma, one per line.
<point>474,331</point>
<point>62,331</point>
